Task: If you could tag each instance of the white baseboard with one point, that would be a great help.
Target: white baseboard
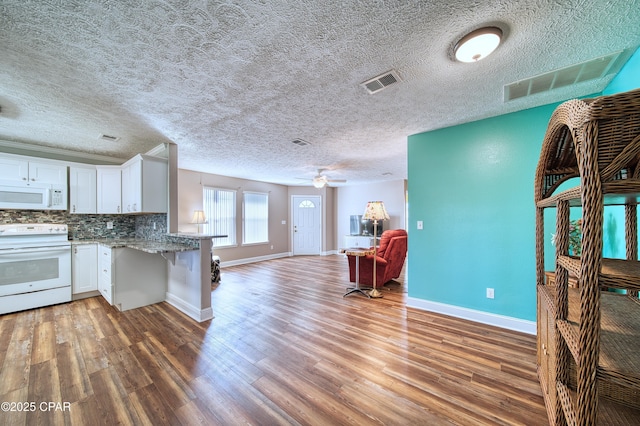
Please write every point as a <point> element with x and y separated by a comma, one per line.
<point>269,257</point>
<point>253,259</point>
<point>197,314</point>
<point>488,318</point>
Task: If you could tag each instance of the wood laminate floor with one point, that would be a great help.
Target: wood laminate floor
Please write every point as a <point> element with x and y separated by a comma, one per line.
<point>284,348</point>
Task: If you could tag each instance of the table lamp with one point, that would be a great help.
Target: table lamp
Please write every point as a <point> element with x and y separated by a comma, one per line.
<point>375,211</point>
<point>198,218</point>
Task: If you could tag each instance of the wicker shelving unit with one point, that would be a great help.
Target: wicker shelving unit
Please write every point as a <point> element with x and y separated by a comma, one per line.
<point>589,338</point>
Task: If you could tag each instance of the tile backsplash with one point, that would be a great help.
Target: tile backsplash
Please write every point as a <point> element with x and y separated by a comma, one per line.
<point>94,226</point>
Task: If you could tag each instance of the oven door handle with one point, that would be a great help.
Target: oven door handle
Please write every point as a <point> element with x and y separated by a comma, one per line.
<point>35,249</point>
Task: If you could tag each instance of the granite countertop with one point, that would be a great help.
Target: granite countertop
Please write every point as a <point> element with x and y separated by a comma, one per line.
<point>195,236</point>
<point>147,246</point>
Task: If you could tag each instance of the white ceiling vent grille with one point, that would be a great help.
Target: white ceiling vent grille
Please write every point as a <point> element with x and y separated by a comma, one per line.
<point>109,138</point>
<point>381,82</point>
<point>585,71</point>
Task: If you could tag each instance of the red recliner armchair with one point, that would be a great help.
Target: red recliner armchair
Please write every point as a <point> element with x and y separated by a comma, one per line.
<point>391,255</point>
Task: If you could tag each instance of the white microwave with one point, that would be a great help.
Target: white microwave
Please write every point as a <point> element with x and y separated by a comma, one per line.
<point>39,197</point>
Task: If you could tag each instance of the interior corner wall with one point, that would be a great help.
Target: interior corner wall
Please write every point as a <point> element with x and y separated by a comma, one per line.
<point>352,200</point>
<point>628,78</point>
<point>472,187</point>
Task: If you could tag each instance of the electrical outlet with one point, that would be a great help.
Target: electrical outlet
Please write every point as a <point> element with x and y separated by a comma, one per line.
<point>490,293</point>
<point>109,225</point>
<point>420,224</point>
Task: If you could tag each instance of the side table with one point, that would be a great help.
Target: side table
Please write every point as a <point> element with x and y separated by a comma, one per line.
<point>358,253</point>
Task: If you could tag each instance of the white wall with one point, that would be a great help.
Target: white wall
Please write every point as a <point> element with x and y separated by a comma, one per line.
<point>353,200</point>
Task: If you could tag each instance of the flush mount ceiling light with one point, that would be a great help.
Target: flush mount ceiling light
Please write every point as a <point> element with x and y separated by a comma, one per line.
<point>477,44</point>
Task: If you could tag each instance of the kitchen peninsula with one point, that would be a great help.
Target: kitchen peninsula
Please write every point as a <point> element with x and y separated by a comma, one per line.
<point>134,272</point>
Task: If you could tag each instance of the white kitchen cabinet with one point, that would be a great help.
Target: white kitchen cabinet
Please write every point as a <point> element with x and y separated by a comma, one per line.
<point>14,170</point>
<point>105,281</point>
<point>130,278</point>
<point>144,185</point>
<point>84,268</point>
<point>47,173</point>
<point>109,189</point>
<point>82,190</point>
<point>362,241</point>
<point>20,169</point>
<point>132,186</point>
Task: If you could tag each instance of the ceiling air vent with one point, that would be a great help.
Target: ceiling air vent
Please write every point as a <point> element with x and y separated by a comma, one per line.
<point>109,138</point>
<point>380,82</point>
<point>585,71</point>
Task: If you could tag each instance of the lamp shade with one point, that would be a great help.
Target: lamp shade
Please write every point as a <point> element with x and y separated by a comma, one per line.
<point>198,217</point>
<point>375,211</point>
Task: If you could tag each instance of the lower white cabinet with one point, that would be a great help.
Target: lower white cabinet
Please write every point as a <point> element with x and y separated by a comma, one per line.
<point>105,284</point>
<point>130,278</point>
<point>84,267</point>
<point>362,241</point>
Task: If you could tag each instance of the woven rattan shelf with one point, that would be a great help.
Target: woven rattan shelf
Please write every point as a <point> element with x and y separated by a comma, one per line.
<point>588,337</point>
<point>614,273</point>
<point>615,193</point>
<point>619,362</point>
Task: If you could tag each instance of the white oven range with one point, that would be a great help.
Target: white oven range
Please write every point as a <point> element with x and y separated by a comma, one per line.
<point>35,266</point>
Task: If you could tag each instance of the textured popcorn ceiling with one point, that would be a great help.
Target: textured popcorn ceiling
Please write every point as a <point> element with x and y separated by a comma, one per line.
<point>233,83</point>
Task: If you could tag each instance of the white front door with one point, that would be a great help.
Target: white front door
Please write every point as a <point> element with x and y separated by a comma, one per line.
<point>307,224</point>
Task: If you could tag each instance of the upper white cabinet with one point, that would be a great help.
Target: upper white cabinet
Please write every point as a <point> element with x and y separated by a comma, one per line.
<point>109,189</point>
<point>82,190</point>
<point>47,173</point>
<point>144,185</point>
<point>15,169</point>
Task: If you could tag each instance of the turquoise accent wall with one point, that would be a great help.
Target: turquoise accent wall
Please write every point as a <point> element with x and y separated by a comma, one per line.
<point>628,78</point>
<point>472,186</point>
<point>613,239</point>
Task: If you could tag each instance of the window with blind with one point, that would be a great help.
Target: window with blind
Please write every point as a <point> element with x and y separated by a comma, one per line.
<point>255,218</point>
<point>220,209</point>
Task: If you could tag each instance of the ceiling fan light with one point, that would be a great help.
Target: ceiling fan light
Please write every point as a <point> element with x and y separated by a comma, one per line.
<point>319,181</point>
<point>478,44</point>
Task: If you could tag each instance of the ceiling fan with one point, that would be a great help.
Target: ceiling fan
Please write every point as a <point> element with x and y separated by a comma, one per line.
<point>320,180</point>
